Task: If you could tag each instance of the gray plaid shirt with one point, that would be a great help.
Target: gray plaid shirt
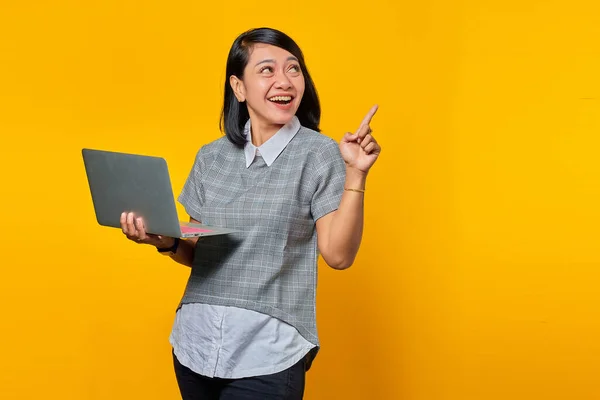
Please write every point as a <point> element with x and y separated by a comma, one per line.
<point>270,265</point>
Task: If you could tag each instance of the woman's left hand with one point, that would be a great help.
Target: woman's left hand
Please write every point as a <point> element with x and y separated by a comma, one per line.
<point>360,149</point>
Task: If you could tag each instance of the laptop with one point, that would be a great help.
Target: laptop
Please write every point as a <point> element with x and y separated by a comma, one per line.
<point>140,184</point>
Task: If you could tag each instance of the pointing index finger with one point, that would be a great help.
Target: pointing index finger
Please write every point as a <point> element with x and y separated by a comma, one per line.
<point>367,119</point>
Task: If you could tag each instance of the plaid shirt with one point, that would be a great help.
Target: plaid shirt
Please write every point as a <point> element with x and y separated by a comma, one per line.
<point>269,266</point>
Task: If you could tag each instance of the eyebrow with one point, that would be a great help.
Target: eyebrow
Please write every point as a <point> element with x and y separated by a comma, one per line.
<point>270,60</point>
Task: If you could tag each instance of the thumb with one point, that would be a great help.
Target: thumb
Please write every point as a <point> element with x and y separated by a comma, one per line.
<point>350,137</point>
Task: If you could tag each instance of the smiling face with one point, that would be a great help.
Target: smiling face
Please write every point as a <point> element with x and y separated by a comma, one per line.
<point>272,86</point>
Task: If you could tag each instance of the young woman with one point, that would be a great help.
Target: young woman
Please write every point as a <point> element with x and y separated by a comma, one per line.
<point>246,326</point>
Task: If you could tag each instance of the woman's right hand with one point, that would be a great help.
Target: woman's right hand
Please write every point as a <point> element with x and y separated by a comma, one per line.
<point>133,227</point>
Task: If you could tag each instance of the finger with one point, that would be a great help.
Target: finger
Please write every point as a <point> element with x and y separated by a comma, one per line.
<point>130,226</point>
<point>149,237</point>
<point>125,225</point>
<point>139,226</point>
<point>368,139</point>
<point>367,119</point>
<point>123,221</point>
<point>376,149</point>
<point>349,137</point>
<point>363,131</point>
<point>370,147</point>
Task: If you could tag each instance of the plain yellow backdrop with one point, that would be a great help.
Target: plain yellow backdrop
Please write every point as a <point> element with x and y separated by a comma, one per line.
<point>479,273</point>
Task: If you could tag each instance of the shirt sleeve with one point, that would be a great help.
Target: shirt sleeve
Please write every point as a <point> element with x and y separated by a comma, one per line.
<point>192,194</point>
<point>329,178</point>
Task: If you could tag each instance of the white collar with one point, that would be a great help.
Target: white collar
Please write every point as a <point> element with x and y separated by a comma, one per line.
<point>272,148</point>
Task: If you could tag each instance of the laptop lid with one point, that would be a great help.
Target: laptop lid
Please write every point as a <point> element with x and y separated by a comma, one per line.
<point>129,182</point>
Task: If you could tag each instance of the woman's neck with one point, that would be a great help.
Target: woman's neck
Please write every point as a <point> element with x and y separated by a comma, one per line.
<point>261,131</point>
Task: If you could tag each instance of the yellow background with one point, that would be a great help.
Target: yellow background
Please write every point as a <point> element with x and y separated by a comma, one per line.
<point>479,274</point>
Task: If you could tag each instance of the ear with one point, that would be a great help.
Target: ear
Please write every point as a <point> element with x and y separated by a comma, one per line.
<point>238,88</point>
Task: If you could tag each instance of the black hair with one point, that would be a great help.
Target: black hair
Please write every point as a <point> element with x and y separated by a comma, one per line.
<point>235,114</point>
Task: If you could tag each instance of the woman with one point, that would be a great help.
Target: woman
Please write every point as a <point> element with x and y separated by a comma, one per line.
<point>246,326</point>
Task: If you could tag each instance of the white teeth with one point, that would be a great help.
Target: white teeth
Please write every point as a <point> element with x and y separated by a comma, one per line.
<point>281,98</point>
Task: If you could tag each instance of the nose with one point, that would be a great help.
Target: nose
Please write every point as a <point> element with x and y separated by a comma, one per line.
<point>283,82</point>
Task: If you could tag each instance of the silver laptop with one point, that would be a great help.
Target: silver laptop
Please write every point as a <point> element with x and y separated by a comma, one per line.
<point>141,184</point>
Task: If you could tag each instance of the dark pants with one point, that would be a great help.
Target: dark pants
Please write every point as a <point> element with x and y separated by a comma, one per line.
<point>284,385</point>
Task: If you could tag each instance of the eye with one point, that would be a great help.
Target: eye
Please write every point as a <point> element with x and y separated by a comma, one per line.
<point>266,69</point>
<point>294,68</point>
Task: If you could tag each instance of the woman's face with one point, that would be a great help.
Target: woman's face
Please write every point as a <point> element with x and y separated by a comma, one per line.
<point>272,87</point>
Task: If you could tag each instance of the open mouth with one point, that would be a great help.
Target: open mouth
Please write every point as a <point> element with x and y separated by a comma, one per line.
<point>283,100</point>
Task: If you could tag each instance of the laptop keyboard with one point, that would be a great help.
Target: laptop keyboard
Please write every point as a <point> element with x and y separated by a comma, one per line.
<point>189,229</point>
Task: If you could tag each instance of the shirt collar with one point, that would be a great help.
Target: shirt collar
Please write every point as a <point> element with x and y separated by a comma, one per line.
<point>272,148</point>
